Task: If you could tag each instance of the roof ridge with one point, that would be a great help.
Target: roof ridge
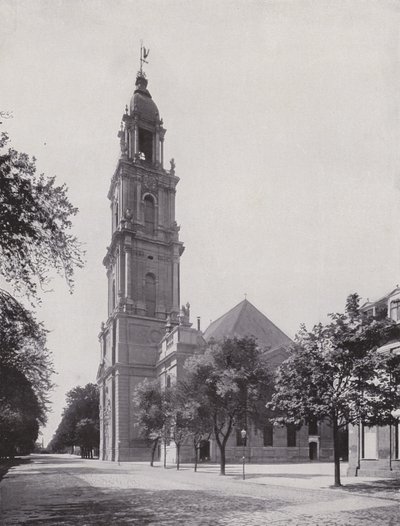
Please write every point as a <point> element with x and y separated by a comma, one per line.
<point>271,322</point>
<point>225,314</point>
<point>244,304</point>
<point>385,297</point>
<point>276,326</point>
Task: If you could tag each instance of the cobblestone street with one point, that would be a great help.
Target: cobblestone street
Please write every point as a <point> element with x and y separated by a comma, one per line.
<point>56,489</point>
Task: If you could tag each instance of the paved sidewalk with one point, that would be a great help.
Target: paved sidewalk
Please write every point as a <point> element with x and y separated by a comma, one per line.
<point>55,489</point>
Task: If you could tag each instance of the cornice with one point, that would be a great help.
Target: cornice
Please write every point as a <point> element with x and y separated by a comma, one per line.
<point>127,168</point>
<point>117,241</point>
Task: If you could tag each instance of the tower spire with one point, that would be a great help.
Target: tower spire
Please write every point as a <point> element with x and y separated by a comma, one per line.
<point>144,53</point>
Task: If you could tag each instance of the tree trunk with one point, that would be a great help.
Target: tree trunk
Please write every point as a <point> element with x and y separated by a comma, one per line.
<point>153,451</point>
<point>223,459</point>
<point>196,455</point>
<point>336,452</point>
<point>222,444</point>
<point>178,455</point>
<point>165,454</point>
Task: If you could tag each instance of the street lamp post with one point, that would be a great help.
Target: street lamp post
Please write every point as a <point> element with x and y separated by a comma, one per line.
<point>243,433</point>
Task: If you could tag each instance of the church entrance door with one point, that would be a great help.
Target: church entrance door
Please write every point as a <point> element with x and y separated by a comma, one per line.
<point>204,453</point>
<point>313,451</point>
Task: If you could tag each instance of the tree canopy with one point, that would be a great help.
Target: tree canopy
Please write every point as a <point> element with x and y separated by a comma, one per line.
<point>23,347</point>
<point>228,381</point>
<point>35,224</point>
<point>20,414</point>
<point>80,421</point>
<point>334,374</point>
<point>25,377</point>
<point>152,411</point>
<point>35,240</point>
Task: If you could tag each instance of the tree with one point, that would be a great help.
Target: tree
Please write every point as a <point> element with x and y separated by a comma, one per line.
<point>228,381</point>
<point>87,436</point>
<point>198,419</point>
<point>23,348</point>
<point>80,421</point>
<point>334,374</point>
<point>35,238</point>
<point>20,414</point>
<point>152,414</point>
<point>179,414</point>
<point>25,376</point>
<point>35,223</point>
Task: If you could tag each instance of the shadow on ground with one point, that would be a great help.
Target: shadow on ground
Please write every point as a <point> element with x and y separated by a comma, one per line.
<point>283,475</point>
<point>5,465</point>
<point>383,486</point>
<point>142,507</point>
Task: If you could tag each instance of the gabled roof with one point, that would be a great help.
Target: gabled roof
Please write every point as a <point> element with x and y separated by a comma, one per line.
<point>383,299</point>
<point>245,320</point>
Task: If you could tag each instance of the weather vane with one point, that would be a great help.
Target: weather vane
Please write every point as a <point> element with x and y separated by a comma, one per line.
<point>144,53</point>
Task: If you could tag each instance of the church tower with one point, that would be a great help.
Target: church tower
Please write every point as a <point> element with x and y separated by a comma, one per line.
<point>142,265</point>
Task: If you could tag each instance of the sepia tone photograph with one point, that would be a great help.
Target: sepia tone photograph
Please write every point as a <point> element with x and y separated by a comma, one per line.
<point>199,262</point>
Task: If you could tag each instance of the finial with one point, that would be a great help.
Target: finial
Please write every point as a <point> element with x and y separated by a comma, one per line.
<point>245,295</point>
<point>144,53</point>
<point>126,109</point>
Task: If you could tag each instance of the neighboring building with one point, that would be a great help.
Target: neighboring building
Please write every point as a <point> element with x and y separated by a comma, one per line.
<point>374,450</point>
<point>147,335</point>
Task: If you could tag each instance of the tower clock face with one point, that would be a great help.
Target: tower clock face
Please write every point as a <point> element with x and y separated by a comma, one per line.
<point>150,182</point>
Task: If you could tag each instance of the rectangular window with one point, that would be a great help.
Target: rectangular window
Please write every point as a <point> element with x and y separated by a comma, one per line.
<point>381,312</point>
<point>313,428</point>
<point>268,435</point>
<point>291,435</point>
<point>368,442</point>
<point>239,439</point>
<point>395,310</point>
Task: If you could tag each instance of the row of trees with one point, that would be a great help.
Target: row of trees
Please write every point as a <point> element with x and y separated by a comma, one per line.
<point>333,375</point>
<point>223,387</point>
<point>79,424</point>
<point>35,239</point>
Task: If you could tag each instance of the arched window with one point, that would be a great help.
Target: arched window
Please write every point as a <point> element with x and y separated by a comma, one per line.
<point>150,295</point>
<point>149,214</point>
<point>146,144</point>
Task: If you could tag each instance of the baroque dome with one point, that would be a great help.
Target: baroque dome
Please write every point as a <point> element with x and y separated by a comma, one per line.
<point>141,101</point>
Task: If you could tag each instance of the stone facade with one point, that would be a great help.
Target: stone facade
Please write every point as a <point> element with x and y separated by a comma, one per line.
<point>273,444</point>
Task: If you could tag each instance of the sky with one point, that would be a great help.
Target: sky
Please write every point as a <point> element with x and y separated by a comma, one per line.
<point>282,118</point>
